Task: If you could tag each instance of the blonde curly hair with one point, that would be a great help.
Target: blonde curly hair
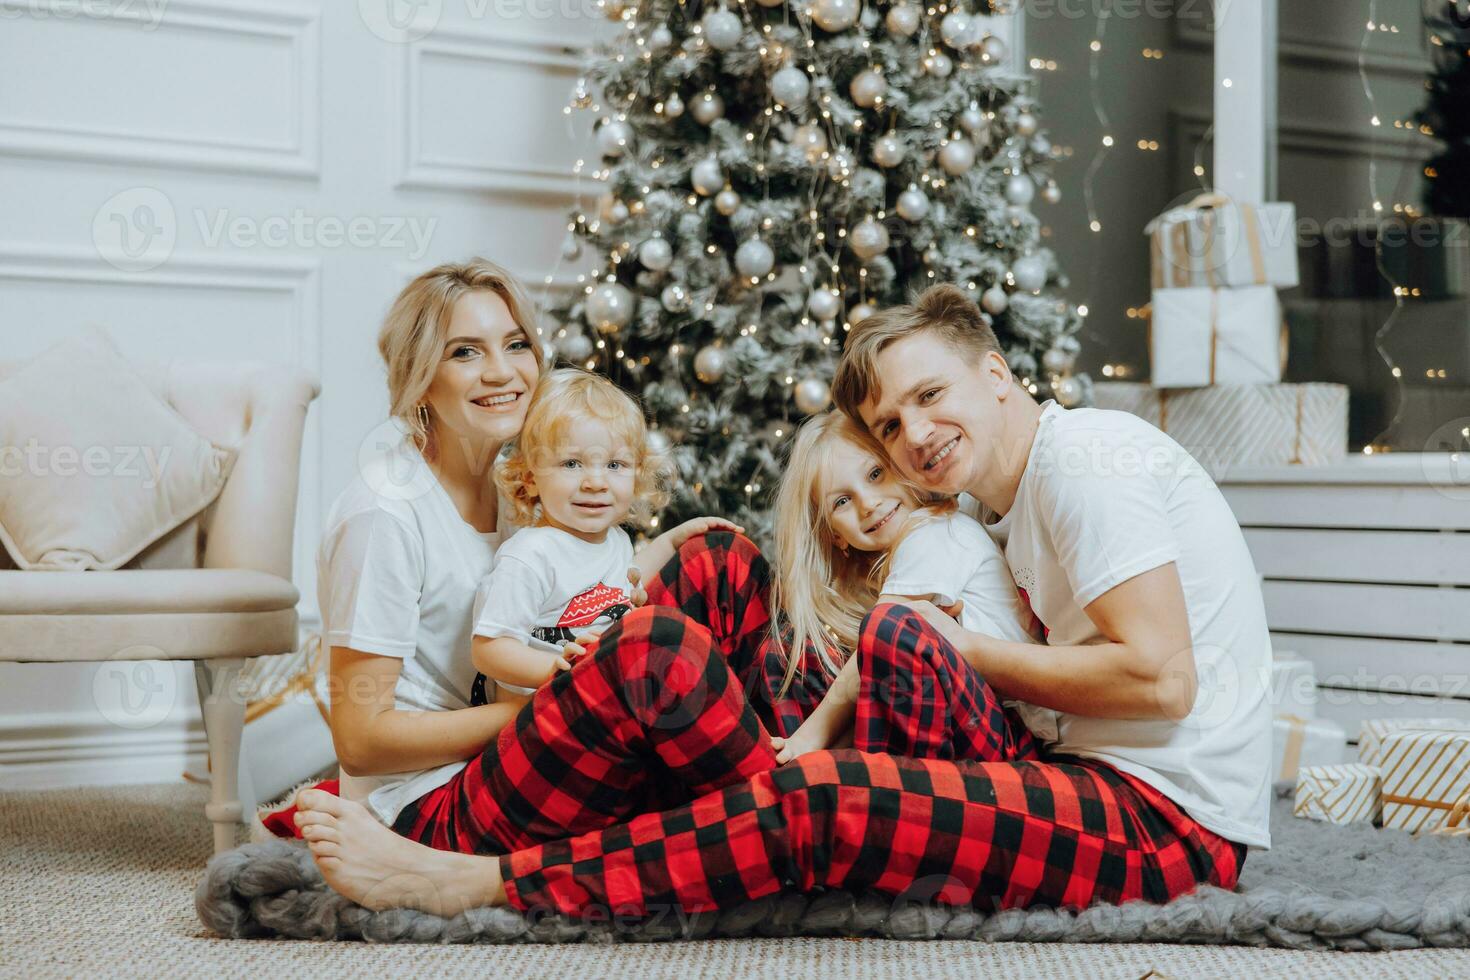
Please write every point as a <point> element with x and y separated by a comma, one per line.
<point>560,397</point>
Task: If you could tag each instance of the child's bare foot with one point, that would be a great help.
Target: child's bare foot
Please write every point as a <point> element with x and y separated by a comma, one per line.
<point>802,741</point>
<point>368,863</point>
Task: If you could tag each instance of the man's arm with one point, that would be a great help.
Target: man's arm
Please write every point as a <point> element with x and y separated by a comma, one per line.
<point>1145,671</point>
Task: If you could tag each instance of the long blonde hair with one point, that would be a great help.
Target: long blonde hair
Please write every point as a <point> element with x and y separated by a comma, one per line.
<point>821,592</point>
<point>413,334</point>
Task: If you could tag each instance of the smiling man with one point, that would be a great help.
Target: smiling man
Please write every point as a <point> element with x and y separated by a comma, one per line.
<point>1157,652</point>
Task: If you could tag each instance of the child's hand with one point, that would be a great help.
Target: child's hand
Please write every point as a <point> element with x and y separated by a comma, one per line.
<point>700,525</point>
<point>639,596</point>
<point>562,663</point>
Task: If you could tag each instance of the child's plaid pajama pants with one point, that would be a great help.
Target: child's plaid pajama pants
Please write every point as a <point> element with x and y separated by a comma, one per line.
<point>643,779</point>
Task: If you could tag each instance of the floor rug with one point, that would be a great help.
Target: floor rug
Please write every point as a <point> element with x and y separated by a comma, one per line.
<point>1320,886</point>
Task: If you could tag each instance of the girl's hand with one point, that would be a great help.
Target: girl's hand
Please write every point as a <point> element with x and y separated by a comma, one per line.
<point>639,595</point>
<point>700,525</point>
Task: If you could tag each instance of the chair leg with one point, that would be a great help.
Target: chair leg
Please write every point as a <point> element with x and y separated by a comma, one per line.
<point>224,722</point>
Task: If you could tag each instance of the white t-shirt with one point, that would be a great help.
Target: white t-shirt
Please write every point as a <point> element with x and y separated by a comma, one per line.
<point>396,573</point>
<point>1104,498</point>
<point>549,586</point>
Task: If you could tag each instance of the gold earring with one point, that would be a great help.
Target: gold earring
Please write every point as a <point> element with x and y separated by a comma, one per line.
<point>423,414</point>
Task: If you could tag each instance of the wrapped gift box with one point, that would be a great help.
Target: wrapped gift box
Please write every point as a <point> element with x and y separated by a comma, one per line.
<point>1426,771</point>
<point>1265,425</point>
<point>1293,685</point>
<point>1349,793</point>
<point>1213,241</point>
<point>1372,732</point>
<point>1202,336</point>
<point>1298,742</point>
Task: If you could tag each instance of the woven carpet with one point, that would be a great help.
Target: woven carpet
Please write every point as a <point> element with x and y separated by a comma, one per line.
<point>1352,888</point>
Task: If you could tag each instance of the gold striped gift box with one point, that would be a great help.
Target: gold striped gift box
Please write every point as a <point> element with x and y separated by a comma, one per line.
<point>1425,773</point>
<point>1372,731</point>
<point>1348,793</point>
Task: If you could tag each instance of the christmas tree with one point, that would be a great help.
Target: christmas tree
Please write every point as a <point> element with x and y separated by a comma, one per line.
<point>1447,116</point>
<point>773,173</point>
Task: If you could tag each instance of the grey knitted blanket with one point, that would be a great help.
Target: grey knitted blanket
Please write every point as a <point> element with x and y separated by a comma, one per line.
<point>1319,887</point>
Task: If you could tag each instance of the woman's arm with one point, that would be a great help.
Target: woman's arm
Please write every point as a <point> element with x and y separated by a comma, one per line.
<point>372,737</point>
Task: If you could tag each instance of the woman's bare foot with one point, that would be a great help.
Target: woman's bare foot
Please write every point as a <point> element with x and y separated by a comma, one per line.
<point>368,863</point>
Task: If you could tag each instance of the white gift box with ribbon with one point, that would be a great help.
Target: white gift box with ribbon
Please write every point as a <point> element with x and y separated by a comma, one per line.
<point>1426,778</point>
<point>1298,741</point>
<point>1372,732</point>
<point>1202,336</point>
<point>1214,241</point>
<point>1349,793</point>
<point>1293,685</point>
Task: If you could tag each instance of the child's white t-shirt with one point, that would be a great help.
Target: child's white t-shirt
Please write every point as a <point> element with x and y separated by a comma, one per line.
<point>396,575</point>
<point>549,586</point>
<point>1104,498</point>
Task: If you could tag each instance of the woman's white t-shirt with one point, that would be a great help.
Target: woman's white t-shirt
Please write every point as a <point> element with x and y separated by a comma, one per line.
<point>396,573</point>
<point>1106,497</point>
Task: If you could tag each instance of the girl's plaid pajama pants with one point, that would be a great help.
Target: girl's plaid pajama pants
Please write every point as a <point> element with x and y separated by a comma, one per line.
<point>643,780</point>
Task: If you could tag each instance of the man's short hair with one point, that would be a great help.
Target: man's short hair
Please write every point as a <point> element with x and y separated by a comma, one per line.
<point>944,309</point>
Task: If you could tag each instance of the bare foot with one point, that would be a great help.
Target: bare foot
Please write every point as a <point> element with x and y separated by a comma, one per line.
<point>368,863</point>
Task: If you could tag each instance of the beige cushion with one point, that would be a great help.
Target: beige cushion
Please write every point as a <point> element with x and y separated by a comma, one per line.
<point>184,614</point>
<point>94,467</point>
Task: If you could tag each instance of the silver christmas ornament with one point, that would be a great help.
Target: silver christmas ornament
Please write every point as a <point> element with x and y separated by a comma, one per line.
<point>614,137</point>
<point>660,38</point>
<point>1020,189</point>
<point>1040,145</point>
<point>1029,271</point>
<point>888,150</point>
<point>708,106</point>
<point>673,106</point>
<point>618,213</point>
<point>754,258</point>
<point>902,20</point>
<point>1027,124</point>
<point>675,298</point>
<point>835,15</point>
<point>993,49</point>
<point>840,165</point>
<point>913,204</point>
<point>707,177</point>
<point>860,313</point>
<point>956,29</point>
<point>657,442</point>
<point>1068,391</point>
<point>727,202</point>
<point>790,86</point>
<point>867,87</point>
<point>1051,193</point>
<point>1057,361</point>
<point>994,301</point>
<point>939,65</point>
<point>710,364</point>
<point>647,279</point>
<point>656,254</point>
<point>571,248</point>
<point>824,304</point>
<point>810,140</point>
<point>812,395</point>
<point>972,120</point>
<point>957,157</point>
<point>868,239</point>
<point>609,308</point>
<point>575,346</point>
<point>722,29</point>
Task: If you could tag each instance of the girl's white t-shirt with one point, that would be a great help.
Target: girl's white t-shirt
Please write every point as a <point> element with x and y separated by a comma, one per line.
<point>1106,497</point>
<point>397,572</point>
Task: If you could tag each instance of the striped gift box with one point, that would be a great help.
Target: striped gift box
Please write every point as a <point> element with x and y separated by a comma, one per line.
<point>1372,732</point>
<point>1425,773</point>
<point>1348,793</point>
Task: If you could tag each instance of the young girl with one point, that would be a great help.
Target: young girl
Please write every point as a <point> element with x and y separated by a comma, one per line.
<point>845,523</point>
<point>580,466</point>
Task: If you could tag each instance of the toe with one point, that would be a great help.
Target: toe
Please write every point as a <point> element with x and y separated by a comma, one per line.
<point>324,848</point>
<point>306,818</point>
<point>313,832</point>
<point>321,800</point>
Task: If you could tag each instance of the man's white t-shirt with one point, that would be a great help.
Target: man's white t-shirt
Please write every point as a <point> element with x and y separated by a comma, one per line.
<point>549,586</point>
<point>1104,498</point>
<point>396,575</point>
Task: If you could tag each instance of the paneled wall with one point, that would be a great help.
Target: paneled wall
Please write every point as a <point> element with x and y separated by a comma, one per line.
<point>242,179</point>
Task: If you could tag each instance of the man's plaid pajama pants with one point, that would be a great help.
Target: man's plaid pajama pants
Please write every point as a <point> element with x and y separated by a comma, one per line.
<point>643,779</point>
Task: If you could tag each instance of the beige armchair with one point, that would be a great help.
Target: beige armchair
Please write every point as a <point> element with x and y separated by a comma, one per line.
<point>216,591</point>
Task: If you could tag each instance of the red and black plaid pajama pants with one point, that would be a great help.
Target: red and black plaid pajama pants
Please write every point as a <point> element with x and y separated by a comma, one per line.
<point>657,717</point>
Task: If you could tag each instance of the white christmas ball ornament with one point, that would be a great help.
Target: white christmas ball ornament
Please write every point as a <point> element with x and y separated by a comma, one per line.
<point>1020,189</point>
<point>868,239</point>
<point>824,304</point>
<point>956,29</point>
<point>1051,193</point>
<point>1029,271</point>
<point>660,38</point>
<point>810,140</point>
<point>957,157</point>
<point>754,258</point>
<point>707,177</point>
<point>708,106</point>
<point>675,298</point>
<point>867,87</point>
<point>722,29</point>
<point>710,364</point>
<point>656,254</point>
<point>860,313</point>
<point>939,65</point>
<point>1058,361</point>
<point>812,395</point>
<point>994,301</point>
<point>1027,124</point>
<point>657,442</point>
<point>727,202</point>
<point>840,165</point>
<point>790,86</point>
<point>575,346</point>
<point>609,308</point>
<point>888,150</point>
<point>1068,391</point>
<point>913,204</point>
<point>673,106</point>
<point>902,20</point>
<point>835,15</point>
<point>614,137</point>
<point>1040,145</point>
<point>993,49</point>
